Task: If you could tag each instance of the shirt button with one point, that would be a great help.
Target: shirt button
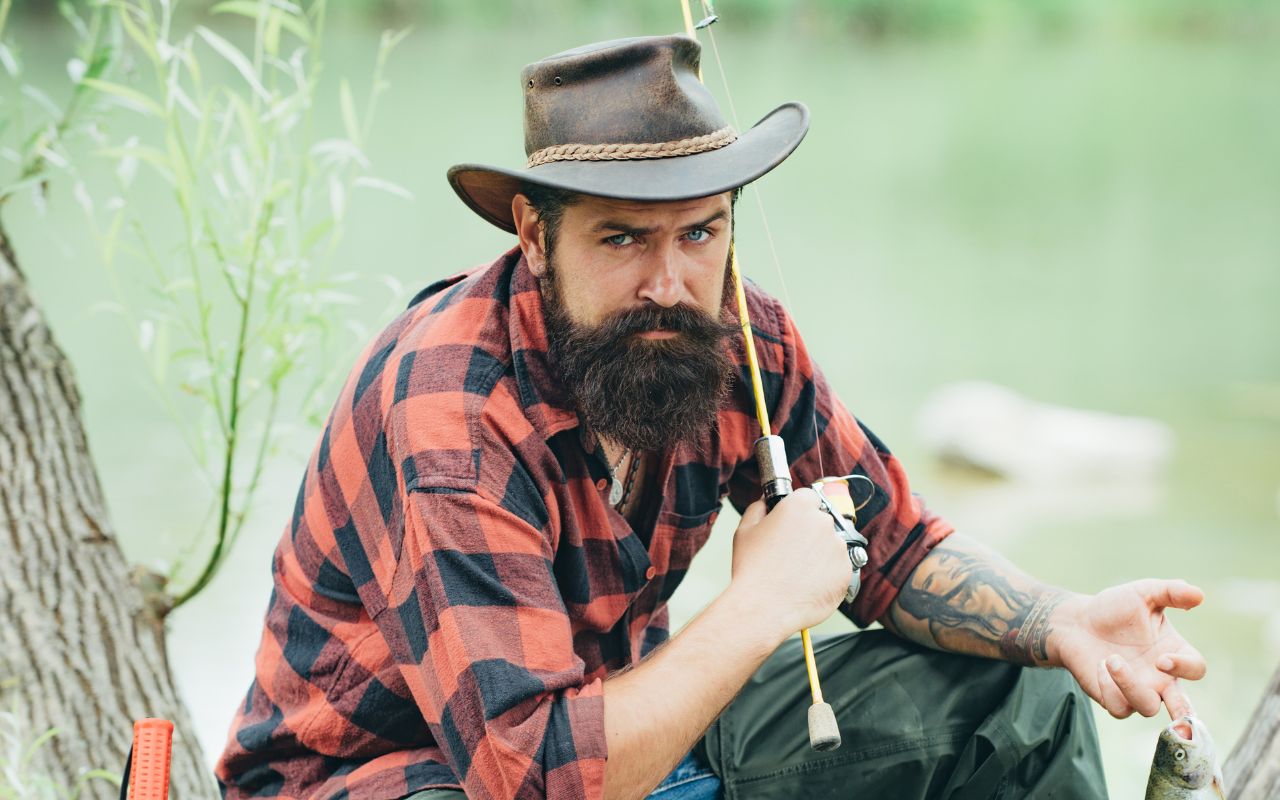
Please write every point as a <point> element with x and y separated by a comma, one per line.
<point>600,484</point>
<point>650,572</point>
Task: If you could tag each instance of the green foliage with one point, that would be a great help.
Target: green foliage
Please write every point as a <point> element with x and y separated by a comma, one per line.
<point>238,280</point>
<point>241,297</point>
<point>35,131</point>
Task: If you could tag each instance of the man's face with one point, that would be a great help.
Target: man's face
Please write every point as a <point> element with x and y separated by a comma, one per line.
<point>635,301</point>
<point>612,256</point>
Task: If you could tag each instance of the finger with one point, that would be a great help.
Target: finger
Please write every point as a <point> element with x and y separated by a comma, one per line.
<point>1112,699</point>
<point>1189,665</point>
<point>754,513</point>
<point>1176,701</point>
<point>804,506</point>
<point>1143,698</point>
<point>804,497</point>
<point>1172,594</point>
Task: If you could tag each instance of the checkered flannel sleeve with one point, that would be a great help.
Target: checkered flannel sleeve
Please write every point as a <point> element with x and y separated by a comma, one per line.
<point>823,439</point>
<point>478,627</point>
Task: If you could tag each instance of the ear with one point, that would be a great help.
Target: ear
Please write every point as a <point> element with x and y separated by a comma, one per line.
<point>529,229</point>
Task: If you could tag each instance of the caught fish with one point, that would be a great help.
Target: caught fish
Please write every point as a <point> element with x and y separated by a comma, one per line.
<point>1185,766</point>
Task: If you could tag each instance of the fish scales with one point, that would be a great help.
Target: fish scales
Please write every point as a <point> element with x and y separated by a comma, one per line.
<point>1185,766</point>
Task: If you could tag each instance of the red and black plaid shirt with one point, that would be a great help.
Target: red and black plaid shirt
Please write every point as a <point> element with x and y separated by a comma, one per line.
<point>454,586</point>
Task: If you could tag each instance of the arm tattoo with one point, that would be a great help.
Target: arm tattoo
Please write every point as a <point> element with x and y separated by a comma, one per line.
<point>965,599</point>
<point>1026,642</point>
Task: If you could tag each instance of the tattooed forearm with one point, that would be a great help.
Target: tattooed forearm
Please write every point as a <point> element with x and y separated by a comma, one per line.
<point>1026,641</point>
<point>967,599</point>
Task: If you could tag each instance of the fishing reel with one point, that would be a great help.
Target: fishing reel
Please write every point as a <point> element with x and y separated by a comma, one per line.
<point>775,478</point>
<point>844,514</point>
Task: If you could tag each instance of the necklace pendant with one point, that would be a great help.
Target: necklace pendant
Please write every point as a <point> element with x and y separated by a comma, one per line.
<point>615,492</point>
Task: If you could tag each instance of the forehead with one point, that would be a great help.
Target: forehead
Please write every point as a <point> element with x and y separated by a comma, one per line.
<point>591,210</point>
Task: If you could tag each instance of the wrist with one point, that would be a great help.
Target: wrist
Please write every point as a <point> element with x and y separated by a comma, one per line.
<point>1034,639</point>
<point>1062,619</point>
<point>767,624</point>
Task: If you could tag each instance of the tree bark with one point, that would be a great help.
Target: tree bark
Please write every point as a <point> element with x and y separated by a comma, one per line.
<point>78,643</point>
<point>1252,772</point>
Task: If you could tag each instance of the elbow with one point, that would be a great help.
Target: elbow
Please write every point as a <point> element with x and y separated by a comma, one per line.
<point>550,746</point>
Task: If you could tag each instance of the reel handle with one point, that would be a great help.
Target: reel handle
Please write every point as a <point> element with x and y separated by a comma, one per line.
<point>843,515</point>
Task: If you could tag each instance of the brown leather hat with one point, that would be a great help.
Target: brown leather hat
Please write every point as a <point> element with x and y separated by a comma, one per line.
<point>629,119</point>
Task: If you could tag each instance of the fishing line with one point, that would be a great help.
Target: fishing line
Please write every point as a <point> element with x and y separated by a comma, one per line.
<point>709,14</point>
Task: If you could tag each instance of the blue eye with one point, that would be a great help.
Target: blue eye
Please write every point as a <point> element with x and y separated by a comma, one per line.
<point>698,235</point>
<point>620,239</point>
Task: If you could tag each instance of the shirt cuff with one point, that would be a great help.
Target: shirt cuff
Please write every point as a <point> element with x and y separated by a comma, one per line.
<point>576,747</point>
<point>882,582</point>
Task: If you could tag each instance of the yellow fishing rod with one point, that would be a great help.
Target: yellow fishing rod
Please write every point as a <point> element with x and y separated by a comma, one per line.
<point>775,480</point>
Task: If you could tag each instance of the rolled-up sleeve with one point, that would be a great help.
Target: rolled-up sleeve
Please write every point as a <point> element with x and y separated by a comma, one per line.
<point>823,439</point>
<point>477,625</point>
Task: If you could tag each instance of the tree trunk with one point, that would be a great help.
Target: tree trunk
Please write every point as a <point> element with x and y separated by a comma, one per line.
<point>1253,770</point>
<point>78,644</point>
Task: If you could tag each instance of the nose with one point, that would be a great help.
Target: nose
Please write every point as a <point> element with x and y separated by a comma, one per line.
<point>663,284</point>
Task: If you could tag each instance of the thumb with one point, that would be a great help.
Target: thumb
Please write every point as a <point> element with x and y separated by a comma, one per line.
<point>754,513</point>
<point>1172,594</point>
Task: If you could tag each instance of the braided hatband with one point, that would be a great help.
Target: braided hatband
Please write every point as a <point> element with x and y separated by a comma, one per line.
<point>626,151</point>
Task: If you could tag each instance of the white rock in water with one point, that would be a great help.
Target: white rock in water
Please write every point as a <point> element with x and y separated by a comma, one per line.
<point>994,428</point>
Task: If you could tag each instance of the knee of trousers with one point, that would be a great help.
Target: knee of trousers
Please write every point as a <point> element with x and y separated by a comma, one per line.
<point>1057,689</point>
<point>1049,712</point>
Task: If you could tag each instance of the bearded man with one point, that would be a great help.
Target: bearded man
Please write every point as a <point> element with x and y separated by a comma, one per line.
<point>471,595</point>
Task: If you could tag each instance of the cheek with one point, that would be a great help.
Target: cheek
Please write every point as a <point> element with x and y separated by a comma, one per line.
<point>592,301</point>
<point>578,279</point>
<point>715,291</point>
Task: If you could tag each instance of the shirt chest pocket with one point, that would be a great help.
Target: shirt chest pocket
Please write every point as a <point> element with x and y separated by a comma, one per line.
<point>677,539</point>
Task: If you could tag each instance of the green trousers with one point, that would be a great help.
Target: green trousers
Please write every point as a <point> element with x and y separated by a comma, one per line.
<point>916,723</point>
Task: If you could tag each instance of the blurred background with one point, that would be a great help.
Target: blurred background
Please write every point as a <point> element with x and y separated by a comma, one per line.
<point>1079,201</point>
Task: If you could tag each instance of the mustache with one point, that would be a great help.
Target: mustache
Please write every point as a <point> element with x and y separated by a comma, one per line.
<point>680,318</point>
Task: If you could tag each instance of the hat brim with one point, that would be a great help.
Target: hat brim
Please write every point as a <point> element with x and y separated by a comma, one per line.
<point>488,190</point>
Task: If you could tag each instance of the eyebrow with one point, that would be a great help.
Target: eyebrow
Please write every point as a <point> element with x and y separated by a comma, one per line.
<point>631,230</point>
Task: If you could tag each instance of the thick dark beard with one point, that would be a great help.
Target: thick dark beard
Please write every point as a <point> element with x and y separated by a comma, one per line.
<point>645,394</point>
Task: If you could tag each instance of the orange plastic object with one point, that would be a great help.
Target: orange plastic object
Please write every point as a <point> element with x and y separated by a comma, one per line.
<point>837,493</point>
<point>152,751</point>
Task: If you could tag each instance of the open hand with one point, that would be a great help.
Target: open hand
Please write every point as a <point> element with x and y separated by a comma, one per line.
<point>1124,652</point>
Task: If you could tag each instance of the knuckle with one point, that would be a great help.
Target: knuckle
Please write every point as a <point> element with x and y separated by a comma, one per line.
<point>803,494</point>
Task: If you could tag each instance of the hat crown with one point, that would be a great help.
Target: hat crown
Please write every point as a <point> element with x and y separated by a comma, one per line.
<point>639,90</point>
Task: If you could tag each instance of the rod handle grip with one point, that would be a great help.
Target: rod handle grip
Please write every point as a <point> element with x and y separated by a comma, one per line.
<point>775,475</point>
<point>824,732</point>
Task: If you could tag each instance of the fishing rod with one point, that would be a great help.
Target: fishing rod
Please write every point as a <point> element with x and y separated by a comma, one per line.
<point>770,449</point>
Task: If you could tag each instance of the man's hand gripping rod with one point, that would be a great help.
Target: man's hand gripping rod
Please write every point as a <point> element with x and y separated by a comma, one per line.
<point>775,480</point>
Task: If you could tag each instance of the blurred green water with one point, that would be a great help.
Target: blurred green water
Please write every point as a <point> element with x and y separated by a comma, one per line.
<point>868,20</point>
<point>1092,220</point>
